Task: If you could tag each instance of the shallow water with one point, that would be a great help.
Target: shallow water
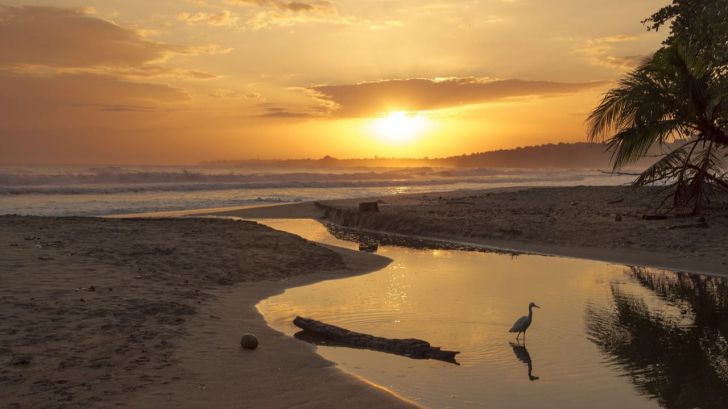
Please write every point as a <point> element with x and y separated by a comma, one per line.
<point>607,335</point>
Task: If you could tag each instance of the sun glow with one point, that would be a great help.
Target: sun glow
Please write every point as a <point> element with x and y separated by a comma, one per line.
<point>400,127</point>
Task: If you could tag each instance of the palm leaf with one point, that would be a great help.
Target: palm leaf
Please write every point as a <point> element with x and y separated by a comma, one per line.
<point>670,96</point>
<point>664,169</point>
<point>631,144</point>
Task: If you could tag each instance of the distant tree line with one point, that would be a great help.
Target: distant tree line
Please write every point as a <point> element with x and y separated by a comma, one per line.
<point>584,155</point>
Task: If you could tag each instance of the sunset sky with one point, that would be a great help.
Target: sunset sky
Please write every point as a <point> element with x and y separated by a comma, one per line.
<point>181,81</point>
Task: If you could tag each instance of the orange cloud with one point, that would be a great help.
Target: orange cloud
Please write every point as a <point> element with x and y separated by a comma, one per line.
<point>66,68</point>
<point>370,98</point>
<point>224,18</point>
<point>63,39</point>
<point>58,37</point>
<point>76,99</point>
<point>270,13</point>
<point>318,6</point>
<point>601,51</point>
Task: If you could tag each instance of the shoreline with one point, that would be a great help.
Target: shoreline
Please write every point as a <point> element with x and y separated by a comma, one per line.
<point>222,369</point>
<point>149,313</point>
<point>630,258</point>
<point>209,368</point>
<point>309,210</point>
<point>673,262</point>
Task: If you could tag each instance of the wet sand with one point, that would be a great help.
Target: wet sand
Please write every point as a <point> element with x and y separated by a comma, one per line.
<point>149,313</point>
<point>599,223</point>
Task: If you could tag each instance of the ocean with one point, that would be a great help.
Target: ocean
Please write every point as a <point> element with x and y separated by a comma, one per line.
<point>106,190</point>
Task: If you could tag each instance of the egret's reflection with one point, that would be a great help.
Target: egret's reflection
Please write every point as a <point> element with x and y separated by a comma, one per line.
<point>523,356</point>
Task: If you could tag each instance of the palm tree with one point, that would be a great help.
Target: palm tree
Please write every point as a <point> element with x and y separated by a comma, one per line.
<point>672,101</point>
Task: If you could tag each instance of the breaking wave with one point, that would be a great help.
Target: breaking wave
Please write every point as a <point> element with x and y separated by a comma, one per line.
<point>129,180</point>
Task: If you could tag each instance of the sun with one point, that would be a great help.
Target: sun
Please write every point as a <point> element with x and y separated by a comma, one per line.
<point>400,127</point>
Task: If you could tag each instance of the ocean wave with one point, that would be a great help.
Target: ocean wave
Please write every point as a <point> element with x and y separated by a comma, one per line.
<point>123,180</point>
<point>310,184</point>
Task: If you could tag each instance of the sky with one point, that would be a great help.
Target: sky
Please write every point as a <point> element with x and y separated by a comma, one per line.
<point>182,81</point>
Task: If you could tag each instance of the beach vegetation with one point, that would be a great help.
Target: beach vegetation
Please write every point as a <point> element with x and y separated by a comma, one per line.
<point>674,103</point>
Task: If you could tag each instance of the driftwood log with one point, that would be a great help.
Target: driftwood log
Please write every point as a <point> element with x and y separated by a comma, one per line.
<point>320,333</point>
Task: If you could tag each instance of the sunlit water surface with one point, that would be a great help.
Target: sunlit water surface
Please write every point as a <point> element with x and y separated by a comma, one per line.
<point>95,191</point>
<point>607,336</point>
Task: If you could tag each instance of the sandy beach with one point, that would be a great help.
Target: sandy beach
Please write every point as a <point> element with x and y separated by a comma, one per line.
<point>616,224</point>
<point>608,223</point>
<point>149,313</point>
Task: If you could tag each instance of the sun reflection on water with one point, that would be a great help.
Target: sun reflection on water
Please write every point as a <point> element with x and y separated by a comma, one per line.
<point>607,335</point>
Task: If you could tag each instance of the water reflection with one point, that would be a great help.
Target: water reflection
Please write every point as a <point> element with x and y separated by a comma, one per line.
<point>664,334</point>
<point>674,349</point>
<point>523,356</point>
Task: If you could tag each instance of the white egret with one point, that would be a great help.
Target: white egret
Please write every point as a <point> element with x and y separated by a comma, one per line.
<point>522,324</point>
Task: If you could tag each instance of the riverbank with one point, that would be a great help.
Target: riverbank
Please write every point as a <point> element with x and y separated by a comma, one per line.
<point>148,313</point>
<point>614,224</point>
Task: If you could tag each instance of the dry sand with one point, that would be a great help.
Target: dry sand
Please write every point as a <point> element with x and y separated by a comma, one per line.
<point>602,223</point>
<point>143,313</point>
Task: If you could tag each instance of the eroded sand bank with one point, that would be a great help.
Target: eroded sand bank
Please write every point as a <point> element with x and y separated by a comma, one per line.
<point>600,223</point>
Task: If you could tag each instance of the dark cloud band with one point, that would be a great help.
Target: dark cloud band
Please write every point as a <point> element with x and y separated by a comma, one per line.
<point>371,98</point>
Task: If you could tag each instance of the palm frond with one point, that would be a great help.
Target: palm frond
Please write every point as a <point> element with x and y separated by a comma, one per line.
<point>631,144</point>
<point>671,96</point>
<point>664,169</point>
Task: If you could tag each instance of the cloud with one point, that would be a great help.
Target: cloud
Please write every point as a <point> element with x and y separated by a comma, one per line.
<point>58,37</point>
<point>267,19</point>
<point>145,72</point>
<point>621,63</point>
<point>273,13</point>
<point>371,98</point>
<point>70,38</point>
<point>226,93</point>
<point>88,89</point>
<point>316,6</point>
<point>617,38</point>
<point>263,14</point>
<point>282,112</point>
<point>601,51</point>
<point>62,68</point>
<point>78,100</point>
<point>225,18</point>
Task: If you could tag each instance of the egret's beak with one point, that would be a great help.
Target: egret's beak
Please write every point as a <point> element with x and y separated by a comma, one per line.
<point>536,306</point>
